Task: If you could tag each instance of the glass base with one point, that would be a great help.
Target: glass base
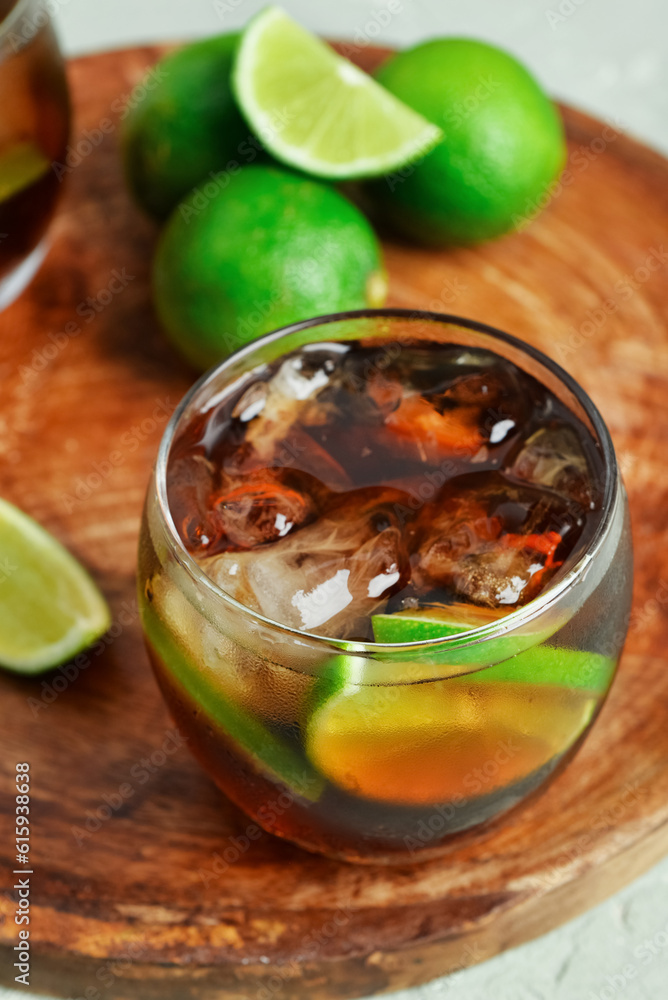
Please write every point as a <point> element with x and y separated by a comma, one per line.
<point>18,280</point>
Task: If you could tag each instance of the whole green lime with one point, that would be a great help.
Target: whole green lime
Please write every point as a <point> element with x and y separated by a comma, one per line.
<point>503,144</point>
<point>183,124</point>
<point>257,249</point>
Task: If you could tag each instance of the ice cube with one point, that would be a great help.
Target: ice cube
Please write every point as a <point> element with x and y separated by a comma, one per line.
<point>469,417</point>
<point>327,577</point>
<point>190,485</point>
<point>554,457</point>
<point>270,409</point>
<point>260,510</point>
<point>494,542</point>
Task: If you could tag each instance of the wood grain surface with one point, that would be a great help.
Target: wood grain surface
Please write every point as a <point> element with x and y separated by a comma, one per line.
<point>144,884</point>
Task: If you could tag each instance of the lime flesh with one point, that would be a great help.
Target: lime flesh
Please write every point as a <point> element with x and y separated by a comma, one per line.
<point>422,742</point>
<point>318,112</point>
<point>50,609</point>
<point>425,743</point>
<point>20,166</point>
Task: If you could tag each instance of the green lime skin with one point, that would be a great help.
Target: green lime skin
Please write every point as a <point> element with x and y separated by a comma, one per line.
<point>186,127</point>
<point>261,249</point>
<point>504,143</point>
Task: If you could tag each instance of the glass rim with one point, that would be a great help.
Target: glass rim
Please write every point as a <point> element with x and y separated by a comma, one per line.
<point>14,14</point>
<point>541,604</point>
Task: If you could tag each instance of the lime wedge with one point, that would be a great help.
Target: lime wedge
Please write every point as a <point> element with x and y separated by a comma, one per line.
<point>437,623</point>
<point>50,609</point>
<point>318,112</point>
<point>430,623</point>
<point>526,658</point>
<point>542,664</point>
<point>417,744</point>
<point>20,166</point>
<point>268,752</point>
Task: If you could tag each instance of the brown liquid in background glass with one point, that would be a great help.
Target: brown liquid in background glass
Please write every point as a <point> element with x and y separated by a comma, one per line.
<point>346,481</point>
<point>34,129</point>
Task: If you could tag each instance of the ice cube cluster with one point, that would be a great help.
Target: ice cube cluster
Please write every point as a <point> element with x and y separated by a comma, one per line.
<point>346,480</point>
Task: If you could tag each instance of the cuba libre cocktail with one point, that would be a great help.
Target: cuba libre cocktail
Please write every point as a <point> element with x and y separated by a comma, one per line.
<point>384,578</point>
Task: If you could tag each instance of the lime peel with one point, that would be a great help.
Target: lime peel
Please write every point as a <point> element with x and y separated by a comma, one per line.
<point>527,660</point>
<point>50,608</point>
<point>268,752</point>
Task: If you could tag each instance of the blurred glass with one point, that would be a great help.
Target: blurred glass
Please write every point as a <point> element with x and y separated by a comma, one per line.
<point>34,129</point>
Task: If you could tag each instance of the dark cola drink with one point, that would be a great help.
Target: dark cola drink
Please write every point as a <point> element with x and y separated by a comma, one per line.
<point>34,128</point>
<point>370,504</point>
<point>379,484</point>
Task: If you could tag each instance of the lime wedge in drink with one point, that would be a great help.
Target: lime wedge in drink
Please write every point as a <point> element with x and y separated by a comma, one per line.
<point>422,742</point>
<point>318,112</point>
<point>524,658</point>
<point>267,751</point>
<point>438,623</point>
<point>431,623</point>
<point>50,609</point>
<point>20,166</point>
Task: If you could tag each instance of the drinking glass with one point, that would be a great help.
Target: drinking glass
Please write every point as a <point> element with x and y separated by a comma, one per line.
<point>34,129</point>
<point>426,739</point>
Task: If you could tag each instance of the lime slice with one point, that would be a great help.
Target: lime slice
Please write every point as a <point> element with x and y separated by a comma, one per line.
<point>431,623</point>
<point>50,609</point>
<point>418,744</point>
<point>316,111</point>
<point>525,659</point>
<point>568,668</point>
<point>20,166</point>
<point>267,751</point>
<point>436,623</point>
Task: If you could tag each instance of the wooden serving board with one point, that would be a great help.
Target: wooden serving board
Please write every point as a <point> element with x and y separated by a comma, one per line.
<point>160,895</point>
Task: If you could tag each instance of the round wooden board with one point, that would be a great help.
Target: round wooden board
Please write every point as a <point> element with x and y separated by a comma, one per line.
<point>141,906</point>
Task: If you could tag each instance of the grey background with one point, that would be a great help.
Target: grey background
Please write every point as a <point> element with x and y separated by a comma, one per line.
<point>609,57</point>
